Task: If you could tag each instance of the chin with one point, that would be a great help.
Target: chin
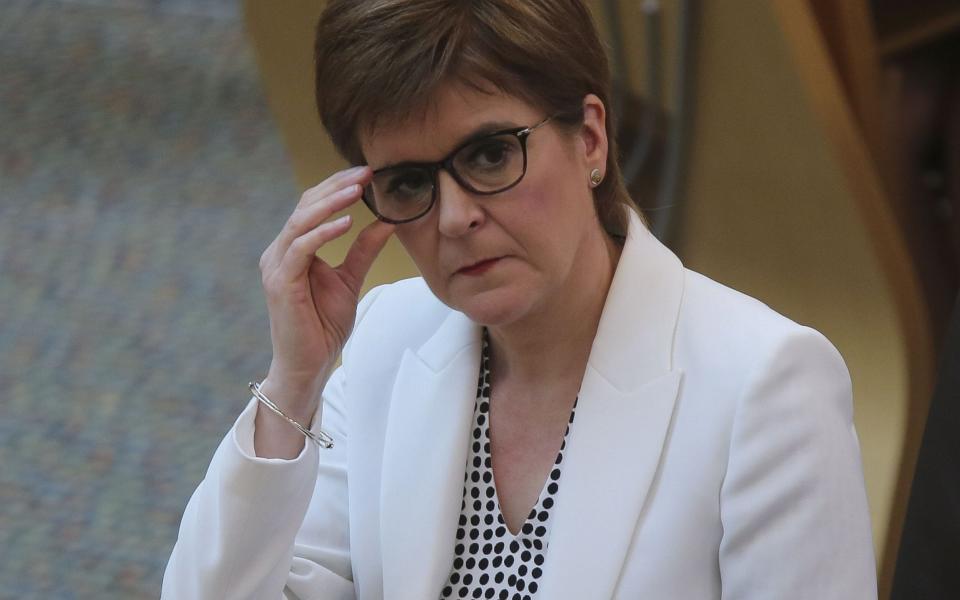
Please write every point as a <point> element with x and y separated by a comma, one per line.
<point>496,307</point>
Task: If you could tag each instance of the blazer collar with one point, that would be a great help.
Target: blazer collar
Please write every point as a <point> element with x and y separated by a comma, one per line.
<point>634,341</point>
<point>623,417</point>
<point>425,453</point>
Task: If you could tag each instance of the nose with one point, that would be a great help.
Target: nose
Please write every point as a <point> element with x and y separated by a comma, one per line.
<point>459,213</point>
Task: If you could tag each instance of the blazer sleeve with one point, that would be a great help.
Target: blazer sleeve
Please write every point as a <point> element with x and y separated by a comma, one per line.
<point>793,503</point>
<point>259,528</point>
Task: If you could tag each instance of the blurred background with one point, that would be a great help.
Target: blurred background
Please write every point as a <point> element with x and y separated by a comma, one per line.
<point>806,152</point>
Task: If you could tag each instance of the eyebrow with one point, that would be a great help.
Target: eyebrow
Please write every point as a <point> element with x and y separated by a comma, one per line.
<point>482,130</point>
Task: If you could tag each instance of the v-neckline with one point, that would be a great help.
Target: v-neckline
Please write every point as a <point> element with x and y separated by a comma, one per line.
<point>541,497</point>
<point>556,467</point>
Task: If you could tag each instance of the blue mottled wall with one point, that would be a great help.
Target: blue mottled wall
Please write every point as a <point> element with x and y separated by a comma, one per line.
<point>140,178</point>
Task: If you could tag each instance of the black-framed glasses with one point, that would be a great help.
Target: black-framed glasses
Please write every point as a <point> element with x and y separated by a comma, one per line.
<point>487,164</point>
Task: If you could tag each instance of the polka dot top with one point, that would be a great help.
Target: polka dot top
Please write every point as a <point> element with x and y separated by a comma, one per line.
<point>489,561</point>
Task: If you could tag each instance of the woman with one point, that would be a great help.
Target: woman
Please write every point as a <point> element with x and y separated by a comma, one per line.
<point>653,433</point>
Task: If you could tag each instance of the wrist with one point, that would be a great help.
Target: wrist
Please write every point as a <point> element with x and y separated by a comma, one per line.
<point>298,400</point>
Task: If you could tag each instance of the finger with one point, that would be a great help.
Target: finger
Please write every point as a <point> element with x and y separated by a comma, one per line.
<point>302,251</point>
<point>356,176</point>
<point>267,259</point>
<point>364,251</point>
<point>305,219</point>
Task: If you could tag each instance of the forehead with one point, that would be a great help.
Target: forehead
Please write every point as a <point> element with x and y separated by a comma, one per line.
<point>453,114</point>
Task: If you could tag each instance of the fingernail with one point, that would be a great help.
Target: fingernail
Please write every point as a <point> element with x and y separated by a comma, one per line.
<point>357,170</point>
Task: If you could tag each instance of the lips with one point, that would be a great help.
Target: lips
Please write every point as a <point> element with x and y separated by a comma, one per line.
<point>478,268</point>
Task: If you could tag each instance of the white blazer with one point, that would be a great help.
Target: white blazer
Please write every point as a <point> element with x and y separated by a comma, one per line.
<point>713,456</point>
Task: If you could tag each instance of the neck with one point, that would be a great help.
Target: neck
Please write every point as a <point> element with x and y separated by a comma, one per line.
<point>553,345</point>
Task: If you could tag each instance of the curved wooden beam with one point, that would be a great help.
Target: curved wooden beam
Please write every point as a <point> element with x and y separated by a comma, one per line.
<point>871,194</point>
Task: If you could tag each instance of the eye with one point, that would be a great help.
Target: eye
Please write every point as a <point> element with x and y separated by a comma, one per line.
<point>413,182</point>
<point>489,154</point>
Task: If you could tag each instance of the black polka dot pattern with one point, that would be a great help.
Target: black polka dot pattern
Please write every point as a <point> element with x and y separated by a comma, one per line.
<point>489,561</point>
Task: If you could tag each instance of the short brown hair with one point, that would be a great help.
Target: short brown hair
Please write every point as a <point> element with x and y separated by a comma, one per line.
<point>380,61</point>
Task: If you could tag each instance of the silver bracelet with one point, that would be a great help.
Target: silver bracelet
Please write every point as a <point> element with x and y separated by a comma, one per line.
<point>321,438</point>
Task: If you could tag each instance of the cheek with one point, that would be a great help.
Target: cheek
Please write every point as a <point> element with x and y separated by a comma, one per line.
<point>552,212</point>
<point>419,241</point>
<point>558,217</point>
<point>415,240</point>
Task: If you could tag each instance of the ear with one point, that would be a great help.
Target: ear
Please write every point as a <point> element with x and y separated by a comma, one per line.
<point>593,133</point>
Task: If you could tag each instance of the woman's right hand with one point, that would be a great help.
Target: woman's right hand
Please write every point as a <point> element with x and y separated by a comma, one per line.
<point>312,305</point>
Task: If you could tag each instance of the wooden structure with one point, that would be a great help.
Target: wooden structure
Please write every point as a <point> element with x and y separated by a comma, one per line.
<point>861,63</point>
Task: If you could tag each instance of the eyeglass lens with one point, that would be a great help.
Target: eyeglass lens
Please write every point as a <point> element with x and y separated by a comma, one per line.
<point>486,166</point>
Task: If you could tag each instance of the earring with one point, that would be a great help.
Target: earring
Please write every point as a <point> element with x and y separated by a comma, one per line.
<point>595,177</point>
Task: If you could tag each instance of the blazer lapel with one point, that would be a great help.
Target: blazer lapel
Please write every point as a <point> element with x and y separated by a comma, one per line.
<point>622,423</point>
<point>425,452</point>
<point>613,452</point>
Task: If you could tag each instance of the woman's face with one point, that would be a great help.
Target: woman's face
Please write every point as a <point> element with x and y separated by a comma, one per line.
<point>527,239</point>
